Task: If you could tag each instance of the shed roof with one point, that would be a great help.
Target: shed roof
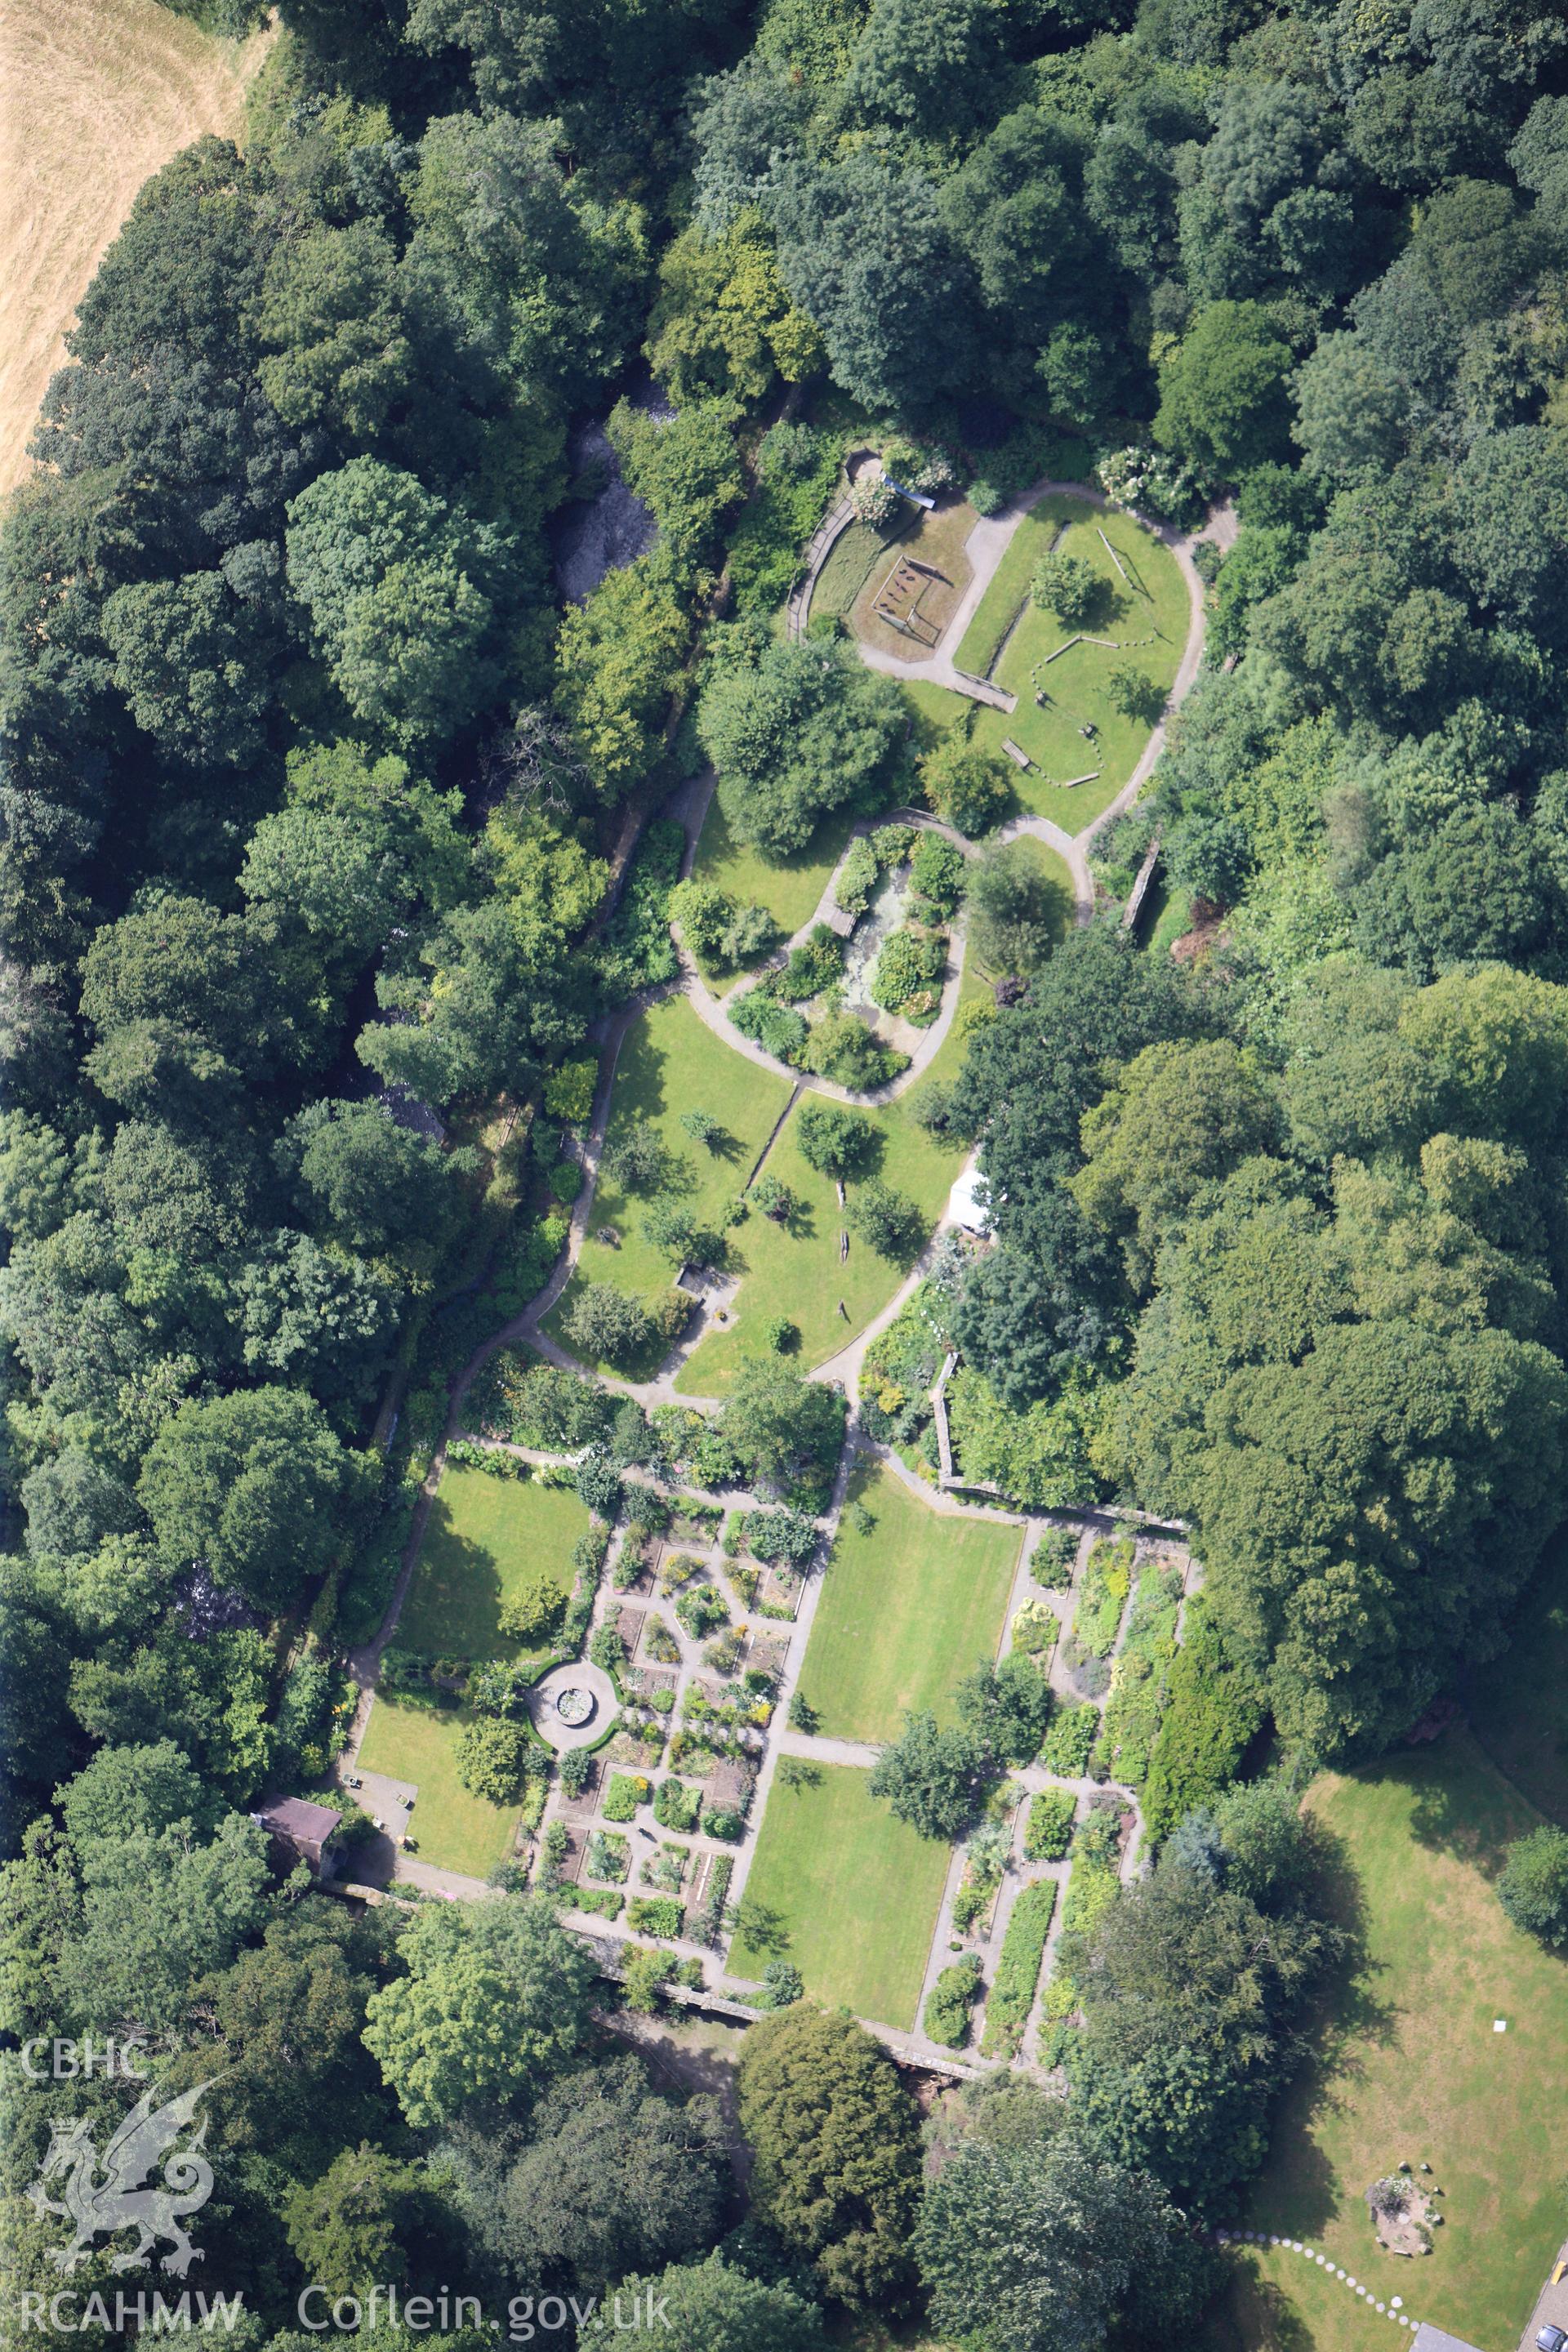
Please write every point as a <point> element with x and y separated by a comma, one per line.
<point>296,1817</point>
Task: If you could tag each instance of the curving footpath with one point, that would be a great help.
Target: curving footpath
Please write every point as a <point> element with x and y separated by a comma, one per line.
<point>689,805</point>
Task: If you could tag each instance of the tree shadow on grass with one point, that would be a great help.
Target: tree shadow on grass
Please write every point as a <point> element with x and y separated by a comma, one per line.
<point>1298,2191</point>
<point>456,1584</point>
<point>1256,2313</point>
<point>1445,1814</point>
<point>761,1928</point>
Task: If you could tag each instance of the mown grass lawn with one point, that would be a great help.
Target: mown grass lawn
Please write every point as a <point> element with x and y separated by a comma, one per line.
<point>1412,2070</point>
<point>845,1892</point>
<point>789,887</point>
<point>668,1064</point>
<point>1034,536</point>
<point>795,1271</point>
<point>409,1741</point>
<point>487,1541</point>
<point>906,1611</point>
<point>1155,605</point>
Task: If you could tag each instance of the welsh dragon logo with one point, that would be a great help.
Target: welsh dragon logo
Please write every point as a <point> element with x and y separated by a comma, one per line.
<point>102,2198</point>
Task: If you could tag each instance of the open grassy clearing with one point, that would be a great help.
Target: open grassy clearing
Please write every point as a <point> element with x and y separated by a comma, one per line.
<point>487,1542</point>
<point>789,887</point>
<point>936,711</point>
<point>98,95</point>
<point>1036,536</point>
<point>1412,2070</point>
<point>1076,681</point>
<point>414,1740</point>
<point>845,1892</point>
<point>858,548</point>
<point>796,1270</point>
<point>906,1611</point>
<point>668,1064</point>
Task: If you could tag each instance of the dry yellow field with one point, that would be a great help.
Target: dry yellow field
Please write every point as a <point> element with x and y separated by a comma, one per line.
<point>98,93</point>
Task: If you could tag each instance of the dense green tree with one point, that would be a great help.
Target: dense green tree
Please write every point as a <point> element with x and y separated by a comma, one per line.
<point>613,2177</point>
<point>517,266</point>
<point>1016,912</point>
<point>492,1758</point>
<point>331,310</point>
<point>1222,397</point>
<point>1191,1988</point>
<point>967,784</point>
<point>833,1139</point>
<point>349,2229</point>
<point>685,467</point>
<point>1177,1117</point>
<point>72,1502</point>
<point>836,2151</point>
<point>1014,209</point>
<point>1477,891</point>
<point>177,997</point>
<point>1054,2250</point>
<point>888,1222</point>
<point>134,1791</point>
<point>1030,1074</point>
<point>865,252</point>
<point>494,2004</point>
<point>617,658</point>
<point>1533,1888</point>
<point>931,1779</point>
<point>785,1430</point>
<point>192,664</point>
<point>609,1323</point>
<point>477,1008</point>
<point>1024,1318</point>
<point>401,589</point>
<point>312,1314</point>
<point>287,2018</point>
<point>708,2306</point>
<point>723,323</point>
<point>924,69</point>
<point>379,1187</point>
<point>793,734</point>
<point>157,1911</point>
<point>1347,1498</point>
<point>186,267</point>
<point>1007,1706</point>
<point>1214,1710</point>
<point>254,1487</point>
<point>1510,522</point>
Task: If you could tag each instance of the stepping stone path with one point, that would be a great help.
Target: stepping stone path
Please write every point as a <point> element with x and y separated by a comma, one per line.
<point>1394,2309</point>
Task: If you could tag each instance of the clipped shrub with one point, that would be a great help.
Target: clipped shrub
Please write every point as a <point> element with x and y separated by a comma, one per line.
<point>627,1791</point>
<point>1047,1831</point>
<point>949,2001</point>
